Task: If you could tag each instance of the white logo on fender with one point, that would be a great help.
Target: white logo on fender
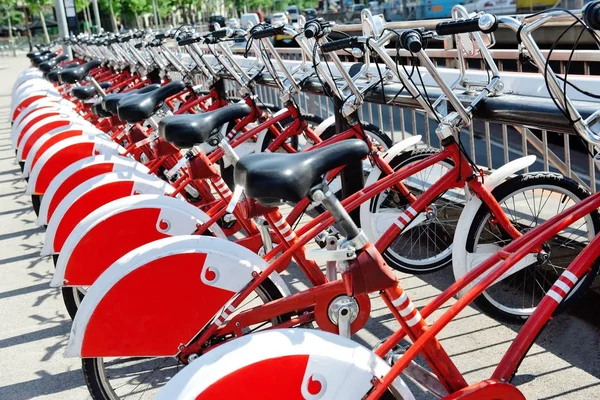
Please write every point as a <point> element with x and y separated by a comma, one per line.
<point>314,386</point>
<point>210,275</point>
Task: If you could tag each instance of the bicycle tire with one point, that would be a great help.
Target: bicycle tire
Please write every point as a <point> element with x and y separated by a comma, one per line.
<point>412,241</point>
<point>502,192</point>
<point>72,297</point>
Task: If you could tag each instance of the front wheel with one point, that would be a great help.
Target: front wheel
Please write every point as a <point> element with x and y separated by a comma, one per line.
<point>132,378</point>
<point>529,200</point>
<point>425,246</point>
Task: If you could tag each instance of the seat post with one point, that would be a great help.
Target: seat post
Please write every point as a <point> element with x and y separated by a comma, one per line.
<point>322,194</point>
<point>226,147</point>
<point>97,86</point>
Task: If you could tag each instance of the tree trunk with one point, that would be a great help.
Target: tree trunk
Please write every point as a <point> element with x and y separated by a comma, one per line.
<point>10,35</point>
<point>185,15</point>
<point>113,19</point>
<point>44,28</point>
<point>137,20</point>
<point>86,18</point>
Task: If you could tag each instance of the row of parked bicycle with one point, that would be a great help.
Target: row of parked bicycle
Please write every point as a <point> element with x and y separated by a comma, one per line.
<point>161,197</point>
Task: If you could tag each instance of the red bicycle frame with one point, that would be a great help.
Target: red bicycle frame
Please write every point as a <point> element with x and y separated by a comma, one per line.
<point>460,174</point>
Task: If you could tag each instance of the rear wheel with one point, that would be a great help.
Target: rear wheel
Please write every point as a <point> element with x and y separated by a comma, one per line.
<point>529,200</point>
<point>427,246</point>
<point>140,378</point>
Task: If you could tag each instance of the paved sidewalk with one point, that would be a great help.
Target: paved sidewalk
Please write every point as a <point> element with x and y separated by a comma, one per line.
<point>565,362</point>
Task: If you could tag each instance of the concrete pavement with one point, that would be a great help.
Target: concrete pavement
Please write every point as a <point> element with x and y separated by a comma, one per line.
<point>564,363</point>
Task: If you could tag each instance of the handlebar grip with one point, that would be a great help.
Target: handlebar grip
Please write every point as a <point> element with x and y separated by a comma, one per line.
<point>486,23</point>
<point>266,32</point>
<point>188,41</point>
<point>591,14</point>
<point>159,36</point>
<point>346,43</point>
<point>312,29</point>
<point>412,41</point>
<point>220,34</point>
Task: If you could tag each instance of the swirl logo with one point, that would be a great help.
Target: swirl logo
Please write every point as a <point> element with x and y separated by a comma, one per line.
<point>210,275</point>
<point>164,225</point>
<point>315,387</point>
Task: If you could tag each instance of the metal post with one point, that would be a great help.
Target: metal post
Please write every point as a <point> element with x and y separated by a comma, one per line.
<point>155,9</point>
<point>63,29</point>
<point>352,175</point>
<point>97,16</point>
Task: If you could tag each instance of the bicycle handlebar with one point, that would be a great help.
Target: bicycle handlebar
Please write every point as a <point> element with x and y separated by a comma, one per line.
<point>341,44</point>
<point>214,37</point>
<point>266,32</point>
<point>189,40</point>
<point>412,40</point>
<point>591,14</point>
<point>312,28</point>
<point>485,23</point>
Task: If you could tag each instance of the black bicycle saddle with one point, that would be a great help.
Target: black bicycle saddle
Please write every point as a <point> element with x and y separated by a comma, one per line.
<point>275,177</point>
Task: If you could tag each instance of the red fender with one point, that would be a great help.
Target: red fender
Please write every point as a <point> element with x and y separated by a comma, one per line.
<point>53,140</point>
<point>27,102</point>
<point>75,180</point>
<point>79,172</point>
<point>42,130</point>
<point>50,112</point>
<point>119,227</point>
<point>170,288</point>
<point>295,364</point>
<point>62,158</point>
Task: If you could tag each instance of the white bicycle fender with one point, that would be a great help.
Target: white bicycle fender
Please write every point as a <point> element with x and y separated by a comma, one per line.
<point>44,126</point>
<point>326,367</point>
<point>324,125</point>
<point>30,74</point>
<point>181,218</point>
<point>33,86</point>
<point>36,111</point>
<point>83,130</point>
<point>21,103</point>
<point>224,268</point>
<point>365,213</point>
<point>100,146</point>
<point>120,163</point>
<point>142,184</point>
<point>460,265</point>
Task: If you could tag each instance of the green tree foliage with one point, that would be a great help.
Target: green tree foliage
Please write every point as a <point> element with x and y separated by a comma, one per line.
<point>114,8</point>
<point>9,15</point>
<point>38,7</point>
<point>165,7</point>
<point>80,5</point>
<point>137,6</point>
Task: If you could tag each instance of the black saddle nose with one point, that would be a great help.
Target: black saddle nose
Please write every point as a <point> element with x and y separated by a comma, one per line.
<point>188,130</point>
<point>275,177</point>
<point>74,75</point>
<point>141,106</point>
<point>54,75</point>
<point>88,91</point>
<point>111,101</point>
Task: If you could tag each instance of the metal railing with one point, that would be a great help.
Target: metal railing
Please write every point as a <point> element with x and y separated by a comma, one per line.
<point>489,144</point>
